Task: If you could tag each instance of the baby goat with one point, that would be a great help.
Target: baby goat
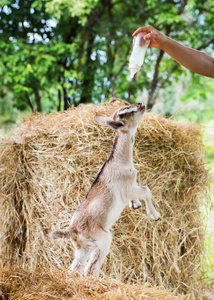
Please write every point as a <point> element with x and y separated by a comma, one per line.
<point>113,189</point>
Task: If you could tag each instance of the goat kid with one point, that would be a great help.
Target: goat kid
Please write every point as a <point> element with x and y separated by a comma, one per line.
<point>113,189</point>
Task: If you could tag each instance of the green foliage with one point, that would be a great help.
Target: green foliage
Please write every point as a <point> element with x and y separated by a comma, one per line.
<point>7,112</point>
<point>80,49</point>
<point>75,8</point>
<point>199,88</point>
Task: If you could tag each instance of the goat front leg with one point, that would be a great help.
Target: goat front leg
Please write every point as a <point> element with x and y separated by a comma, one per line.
<point>135,204</point>
<point>144,193</point>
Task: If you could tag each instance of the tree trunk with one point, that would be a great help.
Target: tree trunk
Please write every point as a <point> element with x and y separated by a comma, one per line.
<point>38,100</point>
<point>66,99</point>
<point>130,89</point>
<point>154,85</point>
<point>88,81</point>
<point>59,101</point>
<point>30,104</point>
<point>151,99</point>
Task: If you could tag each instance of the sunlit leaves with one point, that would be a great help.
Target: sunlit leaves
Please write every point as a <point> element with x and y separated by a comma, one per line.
<point>76,8</point>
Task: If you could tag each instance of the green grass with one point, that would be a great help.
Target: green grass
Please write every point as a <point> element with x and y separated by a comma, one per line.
<point>9,122</point>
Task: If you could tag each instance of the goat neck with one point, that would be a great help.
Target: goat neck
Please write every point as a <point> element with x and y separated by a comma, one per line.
<point>123,147</point>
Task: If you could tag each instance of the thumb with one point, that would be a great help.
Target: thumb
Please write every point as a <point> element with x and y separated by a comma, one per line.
<point>148,37</point>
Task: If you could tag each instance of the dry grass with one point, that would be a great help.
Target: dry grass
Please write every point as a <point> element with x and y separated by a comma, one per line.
<point>47,167</point>
<point>52,284</point>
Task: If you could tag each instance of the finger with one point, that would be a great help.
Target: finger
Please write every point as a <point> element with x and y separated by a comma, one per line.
<point>148,37</point>
<point>146,29</point>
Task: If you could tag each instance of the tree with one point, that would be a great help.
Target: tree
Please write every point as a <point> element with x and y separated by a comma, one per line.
<point>79,50</point>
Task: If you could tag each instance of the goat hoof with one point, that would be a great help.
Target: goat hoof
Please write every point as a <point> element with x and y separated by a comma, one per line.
<point>155,216</point>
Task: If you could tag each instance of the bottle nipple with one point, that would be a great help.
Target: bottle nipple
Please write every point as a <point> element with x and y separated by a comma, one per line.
<point>132,72</point>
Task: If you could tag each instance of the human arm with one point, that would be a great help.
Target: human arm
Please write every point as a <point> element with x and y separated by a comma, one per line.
<point>194,60</point>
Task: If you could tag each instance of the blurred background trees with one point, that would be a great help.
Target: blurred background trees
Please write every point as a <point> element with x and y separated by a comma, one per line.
<point>57,54</point>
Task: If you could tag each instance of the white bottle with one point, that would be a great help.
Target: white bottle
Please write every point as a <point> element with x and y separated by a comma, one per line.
<point>138,53</point>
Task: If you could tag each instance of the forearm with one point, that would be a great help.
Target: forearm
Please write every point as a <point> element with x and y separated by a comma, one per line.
<point>191,59</point>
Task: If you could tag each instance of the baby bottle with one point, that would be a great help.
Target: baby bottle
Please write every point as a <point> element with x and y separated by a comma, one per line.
<point>138,53</point>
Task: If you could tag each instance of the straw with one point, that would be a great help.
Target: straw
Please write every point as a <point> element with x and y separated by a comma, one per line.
<point>47,167</point>
<point>52,284</point>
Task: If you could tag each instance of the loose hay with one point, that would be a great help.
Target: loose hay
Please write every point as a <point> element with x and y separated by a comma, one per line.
<point>49,164</point>
<point>52,284</point>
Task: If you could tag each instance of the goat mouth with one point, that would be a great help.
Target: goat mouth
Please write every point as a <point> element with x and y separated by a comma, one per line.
<point>142,108</point>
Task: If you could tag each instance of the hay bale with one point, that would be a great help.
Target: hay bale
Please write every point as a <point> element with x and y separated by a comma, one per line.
<point>52,284</point>
<point>49,164</point>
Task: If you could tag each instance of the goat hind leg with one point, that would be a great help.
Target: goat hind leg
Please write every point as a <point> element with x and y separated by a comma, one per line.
<point>99,252</point>
<point>90,268</point>
<point>80,260</point>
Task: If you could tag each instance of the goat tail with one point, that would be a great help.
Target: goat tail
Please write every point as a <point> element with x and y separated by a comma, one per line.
<point>59,234</point>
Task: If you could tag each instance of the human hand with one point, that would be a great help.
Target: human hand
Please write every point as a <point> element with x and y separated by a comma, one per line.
<point>156,38</point>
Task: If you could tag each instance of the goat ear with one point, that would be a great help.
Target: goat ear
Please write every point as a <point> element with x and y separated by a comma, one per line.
<point>102,120</point>
<point>116,125</point>
<point>105,121</point>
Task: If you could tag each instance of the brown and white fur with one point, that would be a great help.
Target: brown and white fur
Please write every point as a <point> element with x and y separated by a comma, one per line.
<point>114,188</point>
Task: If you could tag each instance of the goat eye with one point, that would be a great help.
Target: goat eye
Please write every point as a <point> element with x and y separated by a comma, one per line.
<point>121,116</point>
